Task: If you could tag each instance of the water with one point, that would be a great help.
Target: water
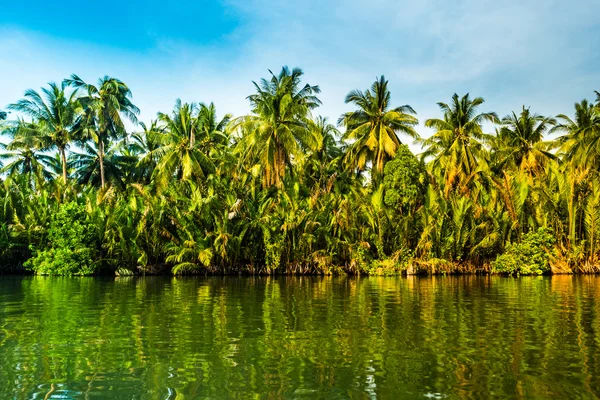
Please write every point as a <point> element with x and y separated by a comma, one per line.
<point>310,337</point>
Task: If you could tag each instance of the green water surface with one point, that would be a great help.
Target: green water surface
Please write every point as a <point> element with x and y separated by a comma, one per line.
<point>308,337</point>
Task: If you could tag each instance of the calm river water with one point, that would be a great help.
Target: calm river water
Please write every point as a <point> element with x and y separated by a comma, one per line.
<point>308,337</point>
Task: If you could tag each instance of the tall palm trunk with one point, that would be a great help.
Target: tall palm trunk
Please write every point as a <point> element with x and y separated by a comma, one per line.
<point>63,159</point>
<point>101,159</point>
<point>192,138</point>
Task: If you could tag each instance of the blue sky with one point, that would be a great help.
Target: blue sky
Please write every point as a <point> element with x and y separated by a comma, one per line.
<point>538,53</point>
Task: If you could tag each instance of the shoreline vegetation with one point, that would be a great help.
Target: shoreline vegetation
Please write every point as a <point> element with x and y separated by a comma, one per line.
<point>286,191</point>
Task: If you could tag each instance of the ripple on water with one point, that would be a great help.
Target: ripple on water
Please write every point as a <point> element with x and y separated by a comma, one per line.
<point>308,337</point>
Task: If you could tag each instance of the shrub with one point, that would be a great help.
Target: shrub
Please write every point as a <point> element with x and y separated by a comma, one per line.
<point>404,179</point>
<point>530,257</point>
<point>71,248</point>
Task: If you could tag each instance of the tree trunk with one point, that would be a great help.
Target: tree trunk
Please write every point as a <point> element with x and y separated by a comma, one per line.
<point>101,159</point>
<point>63,159</point>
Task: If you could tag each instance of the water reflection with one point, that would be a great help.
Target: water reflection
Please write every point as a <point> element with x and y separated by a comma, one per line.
<point>307,337</point>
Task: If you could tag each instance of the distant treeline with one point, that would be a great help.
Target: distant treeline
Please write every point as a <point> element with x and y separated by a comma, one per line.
<point>283,190</point>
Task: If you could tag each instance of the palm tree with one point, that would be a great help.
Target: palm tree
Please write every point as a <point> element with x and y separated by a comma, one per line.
<point>276,129</point>
<point>179,154</point>
<point>212,133</point>
<point>323,151</point>
<point>457,145</point>
<point>374,126</point>
<point>105,105</point>
<point>23,153</point>
<point>144,144</point>
<point>580,145</point>
<point>56,112</point>
<point>519,141</point>
<point>324,145</point>
<point>86,165</point>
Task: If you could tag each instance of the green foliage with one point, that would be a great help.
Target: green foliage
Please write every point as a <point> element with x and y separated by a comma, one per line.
<point>283,191</point>
<point>278,126</point>
<point>71,244</point>
<point>372,129</point>
<point>404,179</point>
<point>395,265</point>
<point>529,257</point>
<point>457,145</point>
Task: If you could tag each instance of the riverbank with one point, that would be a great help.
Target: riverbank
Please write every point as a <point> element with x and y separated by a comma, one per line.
<point>413,267</point>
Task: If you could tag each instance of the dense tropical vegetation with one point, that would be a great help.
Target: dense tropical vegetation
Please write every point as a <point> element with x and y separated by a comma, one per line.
<point>86,188</point>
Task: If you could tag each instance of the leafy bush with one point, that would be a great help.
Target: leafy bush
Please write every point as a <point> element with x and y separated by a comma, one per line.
<point>404,179</point>
<point>395,265</point>
<point>72,244</point>
<point>530,257</point>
